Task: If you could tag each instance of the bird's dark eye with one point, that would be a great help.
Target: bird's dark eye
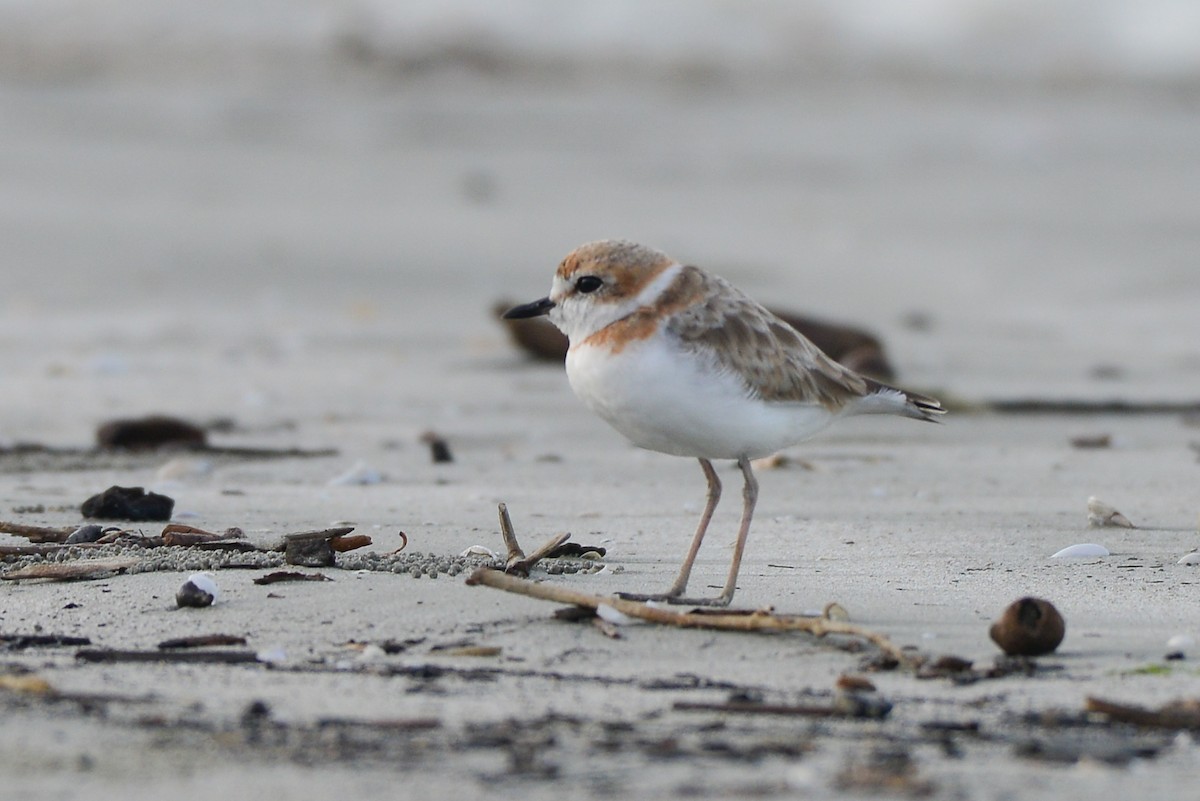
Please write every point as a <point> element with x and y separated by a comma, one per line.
<point>588,284</point>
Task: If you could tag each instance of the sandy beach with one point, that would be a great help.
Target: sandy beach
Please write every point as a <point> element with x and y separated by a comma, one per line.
<point>309,260</point>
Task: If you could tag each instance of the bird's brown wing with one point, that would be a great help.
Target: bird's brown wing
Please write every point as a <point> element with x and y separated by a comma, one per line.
<point>776,362</point>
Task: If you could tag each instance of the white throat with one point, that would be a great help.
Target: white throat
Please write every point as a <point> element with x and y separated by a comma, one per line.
<point>580,316</point>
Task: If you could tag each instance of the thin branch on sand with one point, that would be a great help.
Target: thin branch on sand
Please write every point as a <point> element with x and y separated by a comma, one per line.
<point>36,533</point>
<point>725,621</point>
<point>515,561</point>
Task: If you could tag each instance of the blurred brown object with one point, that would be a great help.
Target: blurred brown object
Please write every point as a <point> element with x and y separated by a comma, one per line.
<point>1029,627</point>
<point>851,347</point>
<point>149,433</point>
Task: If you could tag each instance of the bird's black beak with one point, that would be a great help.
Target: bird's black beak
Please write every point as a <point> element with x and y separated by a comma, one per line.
<point>535,309</point>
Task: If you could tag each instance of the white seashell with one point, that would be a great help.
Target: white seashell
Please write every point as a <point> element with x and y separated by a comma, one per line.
<point>182,469</point>
<point>198,591</point>
<point>271,656</point>
<point>205,582</point>
<point>360,475</point>
<point>1192,558</point>
<point>1181,644</point>
<point>371,653</point>
<point>1084,550</point>
<point>611,615</point>
<point>1100,514</point>
<point>480,550</point>
<point>836,612</point>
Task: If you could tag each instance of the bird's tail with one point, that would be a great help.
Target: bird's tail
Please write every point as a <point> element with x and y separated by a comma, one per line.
<point>884,399</point>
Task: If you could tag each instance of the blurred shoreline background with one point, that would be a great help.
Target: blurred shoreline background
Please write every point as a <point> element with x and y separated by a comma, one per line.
<point>1060,41</point>
<point>306,194</point>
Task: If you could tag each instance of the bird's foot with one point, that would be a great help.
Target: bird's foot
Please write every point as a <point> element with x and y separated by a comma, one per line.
<point>657,597</point>
<point>675,599</point>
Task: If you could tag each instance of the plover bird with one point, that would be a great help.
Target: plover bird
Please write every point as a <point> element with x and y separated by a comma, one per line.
<point>682,362</point>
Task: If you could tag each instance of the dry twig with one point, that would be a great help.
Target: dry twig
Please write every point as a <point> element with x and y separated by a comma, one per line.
<point>516,562</point>
<point>290,575</point>
<point>727,621</point>
<point>202,641</point>
<point>1175,715</point>
<point>190,657</point>
<point>36,533</point>
<point>71,571</point>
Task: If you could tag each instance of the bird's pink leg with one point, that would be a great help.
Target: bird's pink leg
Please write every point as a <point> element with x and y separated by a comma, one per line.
<point>749,500</point>
<point>685,571</point>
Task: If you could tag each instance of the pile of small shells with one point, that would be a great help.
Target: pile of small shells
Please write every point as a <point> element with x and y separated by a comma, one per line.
<point>150,560</point>
<point>415,563</point>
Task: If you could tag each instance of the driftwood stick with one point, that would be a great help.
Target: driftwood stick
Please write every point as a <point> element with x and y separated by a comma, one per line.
<point>191,657</point>
<point>801,710</point>
<point>71,571</point>
<point>36,533</point>
<point>1170,716</point>
<point>521,566</point>
<point>758,621</point>
<point>515,554</point>
<point>323,534</point>
<point>31,550</point>
<point>515,561</point>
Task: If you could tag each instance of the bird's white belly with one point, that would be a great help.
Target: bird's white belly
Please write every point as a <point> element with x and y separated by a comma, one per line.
<point>674,401</point>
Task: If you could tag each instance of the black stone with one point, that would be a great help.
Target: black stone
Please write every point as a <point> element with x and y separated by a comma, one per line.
<point>128,503</point>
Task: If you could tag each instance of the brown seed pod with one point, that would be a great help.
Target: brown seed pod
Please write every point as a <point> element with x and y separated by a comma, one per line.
<point>854,684</point>
<point>1029,627</point>
<point>349,543</point>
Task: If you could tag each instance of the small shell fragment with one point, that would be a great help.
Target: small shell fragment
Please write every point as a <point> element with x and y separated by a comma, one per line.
<point>1100,515</point>
<point>198,591</point>
<point>371,653</point>
<point>183,470</point>
<point>835,611</point>
<point>1192,558</point>
<point>614,616</point>
<point>271,656</point>
<point>1084,550</point>
<point>361,474</point>
<point>1180,645</point>
<point>89,532</point>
